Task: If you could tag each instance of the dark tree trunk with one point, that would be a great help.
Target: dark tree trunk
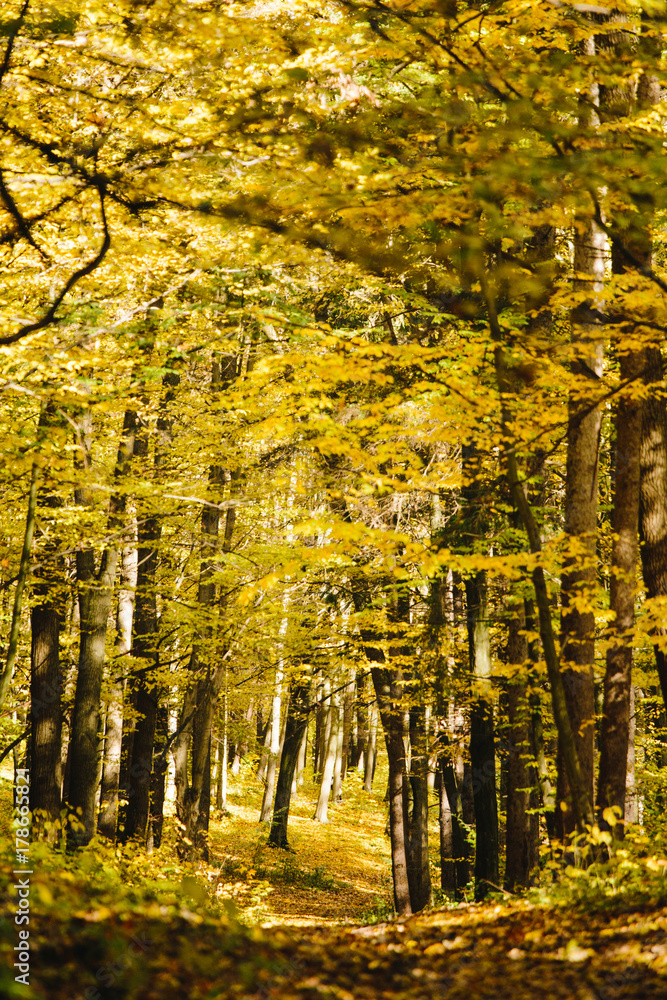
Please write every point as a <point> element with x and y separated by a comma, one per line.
<point>653,500</point>
<point>193,796</point>
<point>419,870</point>
<point>46,616</point>
<point>145,634</point>
<point>144,649</point>
<point>482,748</point>
<point>158,778</point>
<point>95,593</point>
<point>113,735</point>
<point>295,728</point>
<point>615,727</point>
<point>521,856</point>
<point>445,826</point>
<point>581,505</point>
<point>388,694</point>
<point>45,707</point>
<point>460,876</point>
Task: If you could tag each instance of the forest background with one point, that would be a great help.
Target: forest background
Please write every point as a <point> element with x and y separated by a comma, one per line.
<point>334,412</point>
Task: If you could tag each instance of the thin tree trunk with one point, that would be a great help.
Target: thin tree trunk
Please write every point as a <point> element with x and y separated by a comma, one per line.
<point>521,857</point>
<point>388,697</point>
<point>158,779</point>
<point>447,869</point>
<point>337,787</point>
<point>274,749</point>
<point>419,869</point>
<point>44,747</point>
<point>653,500</point>
<point>295,729</point>
<point>330,754</point>
<point>113,736</point>
<point>482,749</point>
<point>95,595</point>
<point>460,876</point>
<point>24,567</point>
<point>145,650</point>
<point>581,501</point>
<point>371,748</point>
<point>615,727</point>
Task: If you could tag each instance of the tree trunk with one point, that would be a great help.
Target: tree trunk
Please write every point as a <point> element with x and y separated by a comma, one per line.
<point>371,748</point>
<point>158,779</point>
<point>482,749</point>
<point>615,727</point>
<point>388,694</point>
<point>95,595</point>
<point>521,857</point>
<point>46,722</point>
<point>419,869</point>
<point>457,875</point>
<point>46,680</point>
<point>581,502</point>
<point>144,650</point>
<point>24,567</point>
<point>113,736</point>
<point>329,759</point>
<point>274,749</point>
<point>295,729</point>
<point>447,869</point>
<point>653,500</point>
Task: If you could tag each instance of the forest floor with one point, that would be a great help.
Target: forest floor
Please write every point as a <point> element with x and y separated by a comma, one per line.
<point>257,924</point>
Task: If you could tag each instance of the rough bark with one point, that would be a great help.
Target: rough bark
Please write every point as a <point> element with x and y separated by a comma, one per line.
<point>113,734</point>
<point>24,567</point>
<point>95,595</point>
<point>388,694</point>
<point>46,618</point>
<point>295,728</point>
<point>653,498</point>
<point>455,874</point>
<point>419,869</point>
<point>144,648</point>
<point>274,749</point>
<point>482,740</point>
<point>521,856</point>
<point>581,495</point>
<point>615,726</point>
<point>371,749</point>
<point>332,728</point>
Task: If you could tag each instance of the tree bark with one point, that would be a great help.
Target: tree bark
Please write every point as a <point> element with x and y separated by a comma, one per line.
<point>95,595</point>
<point>581,499</point>
<point>274,748</point>
<point>615,727</point>
<point>419,868</point>
<point>482,741</point>
<point>653,499</point>
<point>329,759</point>
<point>295,728</point>
<point>46,617</point>
<point>113,735</point>
<point>521,857</point>
<point>144,644</point>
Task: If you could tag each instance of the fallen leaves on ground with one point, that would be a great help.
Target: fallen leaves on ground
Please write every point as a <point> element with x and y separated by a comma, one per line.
<point>495,952</point>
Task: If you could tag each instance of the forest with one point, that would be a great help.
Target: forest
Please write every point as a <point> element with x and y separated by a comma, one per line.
<point>333,499</point>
